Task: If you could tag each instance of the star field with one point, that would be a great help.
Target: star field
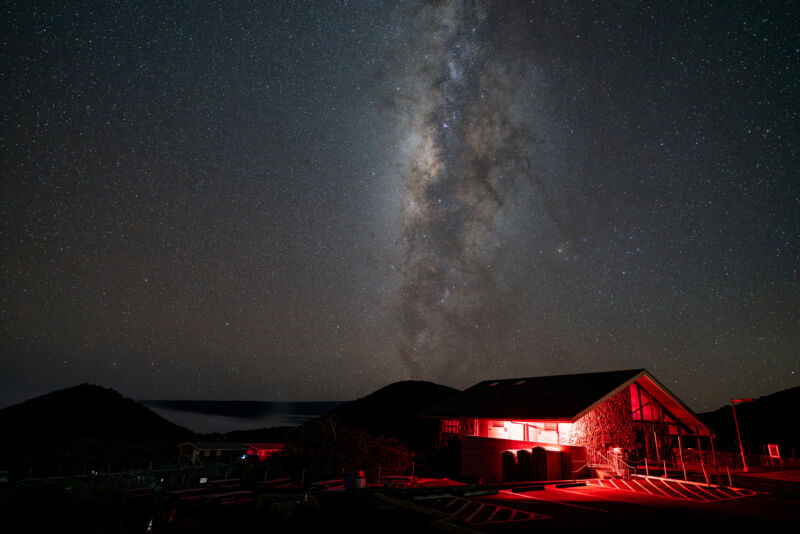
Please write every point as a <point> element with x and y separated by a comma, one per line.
<point>310,200</point>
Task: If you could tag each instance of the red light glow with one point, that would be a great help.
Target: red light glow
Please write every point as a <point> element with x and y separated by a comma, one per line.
<point>533,432</point>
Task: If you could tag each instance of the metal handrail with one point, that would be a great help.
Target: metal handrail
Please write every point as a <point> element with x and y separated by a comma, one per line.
<point>595,452</point>
<point>619,465</point>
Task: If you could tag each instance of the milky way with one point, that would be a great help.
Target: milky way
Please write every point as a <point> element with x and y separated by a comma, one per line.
<point>310,200</point>
<point>468,147</point>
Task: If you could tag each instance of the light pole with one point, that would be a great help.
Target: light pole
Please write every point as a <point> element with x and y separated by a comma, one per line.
<point>738,435</point>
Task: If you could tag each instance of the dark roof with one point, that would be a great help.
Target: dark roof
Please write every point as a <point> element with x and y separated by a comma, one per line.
<point>561,397</point>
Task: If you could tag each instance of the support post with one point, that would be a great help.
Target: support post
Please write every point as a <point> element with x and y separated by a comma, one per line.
<point>714,456</point>
<point>700,448</point>
<point>680,453</point>
<point>738,435</point>
<point>655,441</point>
<point>713,453</point>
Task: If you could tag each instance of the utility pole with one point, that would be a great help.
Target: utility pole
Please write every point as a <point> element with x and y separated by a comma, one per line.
<point>738,435</point>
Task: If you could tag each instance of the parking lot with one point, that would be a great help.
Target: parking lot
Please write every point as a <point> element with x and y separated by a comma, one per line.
<point>624,505</point>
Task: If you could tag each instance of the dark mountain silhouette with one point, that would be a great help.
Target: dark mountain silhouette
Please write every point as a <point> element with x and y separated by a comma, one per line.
<point>773,418</point>
<point>86,411</point>
<point>394,411</point>
<point>82,428</point>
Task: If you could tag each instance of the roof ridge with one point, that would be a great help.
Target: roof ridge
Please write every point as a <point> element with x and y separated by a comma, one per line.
<point>631,370</point>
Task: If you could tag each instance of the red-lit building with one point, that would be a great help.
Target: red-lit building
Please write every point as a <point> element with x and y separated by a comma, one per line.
<point>262,451</point>
<point>556,423</point>
<point>197,452</point>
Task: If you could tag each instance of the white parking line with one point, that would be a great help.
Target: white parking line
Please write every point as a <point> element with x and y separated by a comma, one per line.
<point>552,501</point>
<point>659,489</point>
<point>476,512</point>
<point>496,510</point>
<point>678,486</point>
<point>641,486</point>
<point>714,497</point>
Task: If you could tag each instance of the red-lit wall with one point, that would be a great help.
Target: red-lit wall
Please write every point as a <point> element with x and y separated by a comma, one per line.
<point>481,457</point>
<point>608,425</point>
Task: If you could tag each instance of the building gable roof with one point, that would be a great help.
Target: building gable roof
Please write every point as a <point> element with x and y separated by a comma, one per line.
<point>556,398</point>
<point>560,397</point>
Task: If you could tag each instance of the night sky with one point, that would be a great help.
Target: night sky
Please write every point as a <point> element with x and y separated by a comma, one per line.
<point>311,200</point>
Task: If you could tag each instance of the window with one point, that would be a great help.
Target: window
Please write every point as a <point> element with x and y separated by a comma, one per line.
<point>451,426</point>
<point>548,433</point>
<point>642,406</point>
<point>645,408</point>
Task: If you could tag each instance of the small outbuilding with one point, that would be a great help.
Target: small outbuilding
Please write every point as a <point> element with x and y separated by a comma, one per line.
<point>557,427</point>
<point>262,451</point>
<point>206,452</point>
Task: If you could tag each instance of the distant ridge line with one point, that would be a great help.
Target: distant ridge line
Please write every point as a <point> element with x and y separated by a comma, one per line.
<point>244,409</point>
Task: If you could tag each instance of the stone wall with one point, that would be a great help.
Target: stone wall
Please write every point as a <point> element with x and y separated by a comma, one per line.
<point>608,425</point>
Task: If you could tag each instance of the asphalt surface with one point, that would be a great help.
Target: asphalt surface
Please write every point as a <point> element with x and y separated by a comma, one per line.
<point>768,503</point>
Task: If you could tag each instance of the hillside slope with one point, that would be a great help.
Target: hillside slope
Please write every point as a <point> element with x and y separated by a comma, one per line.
<point>394,411</point>
<point>86,411</point>
<point>81,428</point>
<point>774,418</point>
